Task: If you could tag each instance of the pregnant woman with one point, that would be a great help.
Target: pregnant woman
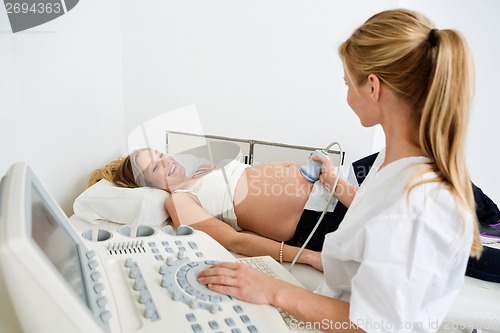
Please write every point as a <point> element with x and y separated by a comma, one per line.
<point>269,200</point>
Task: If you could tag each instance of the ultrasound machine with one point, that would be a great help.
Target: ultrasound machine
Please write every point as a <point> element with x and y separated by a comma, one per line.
<point>134,279</point>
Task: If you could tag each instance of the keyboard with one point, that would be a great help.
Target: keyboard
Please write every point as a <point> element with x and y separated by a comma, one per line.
<point>268,265</point>
<point>271,267</point>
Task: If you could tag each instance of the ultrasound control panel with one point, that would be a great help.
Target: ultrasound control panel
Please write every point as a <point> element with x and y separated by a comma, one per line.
<point>144,279</point>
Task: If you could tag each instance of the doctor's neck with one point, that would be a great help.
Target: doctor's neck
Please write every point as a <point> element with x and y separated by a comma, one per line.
<point>401,136</point>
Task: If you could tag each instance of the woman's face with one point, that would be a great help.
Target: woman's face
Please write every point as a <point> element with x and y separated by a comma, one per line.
<point>359,99</point>
<point>161,170</point>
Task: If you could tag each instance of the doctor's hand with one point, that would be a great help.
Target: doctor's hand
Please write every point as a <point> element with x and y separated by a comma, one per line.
<point>241,281</point>
<point>327,175</point>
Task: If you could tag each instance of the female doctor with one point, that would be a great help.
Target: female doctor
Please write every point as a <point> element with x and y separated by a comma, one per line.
<point>398,258</point>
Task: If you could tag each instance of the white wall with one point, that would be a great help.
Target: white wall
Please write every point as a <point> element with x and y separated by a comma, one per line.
<point>269,69</point>
<point>61,98</point>
<point>255,69</point>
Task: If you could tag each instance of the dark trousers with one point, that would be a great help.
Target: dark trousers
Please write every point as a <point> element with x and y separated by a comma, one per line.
<point>486,210</point>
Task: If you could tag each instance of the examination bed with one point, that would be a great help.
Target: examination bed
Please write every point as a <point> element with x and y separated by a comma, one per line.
<point>477,306</point>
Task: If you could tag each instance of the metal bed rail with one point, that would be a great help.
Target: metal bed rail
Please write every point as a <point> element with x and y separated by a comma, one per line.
<point>251,144</point>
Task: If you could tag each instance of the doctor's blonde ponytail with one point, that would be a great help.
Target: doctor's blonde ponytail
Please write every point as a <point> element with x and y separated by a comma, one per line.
<point>445,115</point>
<point>431,71</point>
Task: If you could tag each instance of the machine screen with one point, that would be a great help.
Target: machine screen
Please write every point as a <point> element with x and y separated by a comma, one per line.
<point>56,243</point>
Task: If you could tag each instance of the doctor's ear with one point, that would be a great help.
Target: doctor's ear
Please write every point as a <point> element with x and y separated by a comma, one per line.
<point>374,83</point>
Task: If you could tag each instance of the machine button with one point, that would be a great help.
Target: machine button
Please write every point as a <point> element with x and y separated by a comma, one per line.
<point>180,254</point>
<point>139,285</point>
<point>213,325</point>
<point>194,303</point>
<point>129,262</point>
<point>102,301</point>
<point>133,273</point>
<point>92,264</point>
<point>215,298</point>
<point>105,316</point>
<point>95,276</point>
<point>190,317</point>
<point>229,322</point>
<point>98,287</point>
<point>196,328</point>
<point>163,270</point>
<point>90,254</point>
<point>149,312</point>
<point>143,297</point>
<point>252,329</point>
<point>214,308</point>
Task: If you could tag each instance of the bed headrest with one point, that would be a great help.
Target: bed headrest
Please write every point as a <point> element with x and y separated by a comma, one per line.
<point>104,201</point>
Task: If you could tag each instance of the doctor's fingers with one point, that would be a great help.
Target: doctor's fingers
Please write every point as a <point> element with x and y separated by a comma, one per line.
<point>222,269</point>
<point>226,273</point>
<point>326,162</point>
<point>328,167</point>
<point>320,158</point>
<point>327,175</point>
<point>238,280</point>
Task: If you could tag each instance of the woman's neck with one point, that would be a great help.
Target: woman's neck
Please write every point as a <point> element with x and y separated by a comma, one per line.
<point>183,185</point>
<point>397,150</point>
<point>401,137</point>
<point>189,181</point>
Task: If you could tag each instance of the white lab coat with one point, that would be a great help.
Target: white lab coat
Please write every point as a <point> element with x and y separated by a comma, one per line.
<point>399,260</point>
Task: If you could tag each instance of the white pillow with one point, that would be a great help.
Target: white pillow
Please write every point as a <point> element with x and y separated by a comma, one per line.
<point>104,201</point>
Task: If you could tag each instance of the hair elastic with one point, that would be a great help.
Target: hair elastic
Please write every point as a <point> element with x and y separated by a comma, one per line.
<point>432,37</point>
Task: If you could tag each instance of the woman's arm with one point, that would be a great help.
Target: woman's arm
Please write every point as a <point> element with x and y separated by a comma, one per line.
<point>185,211</point>
<point>250,285</point>
<point>254,245</point>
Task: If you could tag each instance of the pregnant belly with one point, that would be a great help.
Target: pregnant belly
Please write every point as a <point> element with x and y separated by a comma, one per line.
<point>270,198</point>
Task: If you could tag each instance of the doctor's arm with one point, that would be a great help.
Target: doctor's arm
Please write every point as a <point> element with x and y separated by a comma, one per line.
<point>344,191</point>
<point>247,284</point>
<point>185,211</point>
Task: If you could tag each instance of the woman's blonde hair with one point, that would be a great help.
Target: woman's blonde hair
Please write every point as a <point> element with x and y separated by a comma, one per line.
<point>119,172</point>
<point>123,172</point>
<point>432,71</point>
